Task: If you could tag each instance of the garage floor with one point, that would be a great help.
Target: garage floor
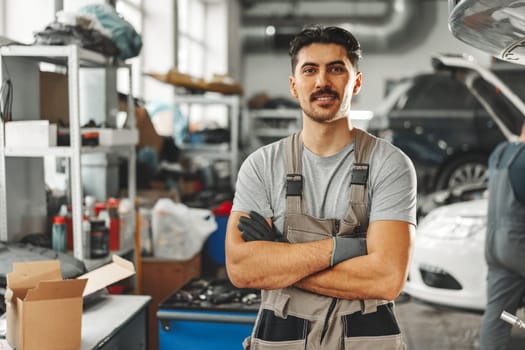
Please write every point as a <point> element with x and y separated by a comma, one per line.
<point>428,327</point>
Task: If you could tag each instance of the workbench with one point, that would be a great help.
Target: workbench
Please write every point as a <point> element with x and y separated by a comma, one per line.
<point>113,322</point>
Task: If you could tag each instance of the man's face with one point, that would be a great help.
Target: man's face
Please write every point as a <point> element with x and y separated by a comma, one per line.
<point>324,81</point>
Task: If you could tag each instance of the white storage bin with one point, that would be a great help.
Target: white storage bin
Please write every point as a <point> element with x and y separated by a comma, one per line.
<point>30,133</point>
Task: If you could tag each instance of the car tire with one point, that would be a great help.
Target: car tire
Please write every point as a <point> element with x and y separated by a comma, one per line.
<point>472,168</point>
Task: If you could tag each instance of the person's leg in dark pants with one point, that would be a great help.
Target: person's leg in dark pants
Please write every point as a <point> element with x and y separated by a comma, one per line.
<point>504,292</point>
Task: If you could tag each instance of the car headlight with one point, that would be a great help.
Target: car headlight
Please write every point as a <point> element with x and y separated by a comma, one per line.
<point>456,227</point>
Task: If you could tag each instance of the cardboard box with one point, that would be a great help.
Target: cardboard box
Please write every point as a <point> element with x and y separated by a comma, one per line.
<point>44,311</point>
<point>30,133</point>
<point>108,274</point>
<point>54,101</point>
<point>148,136</point>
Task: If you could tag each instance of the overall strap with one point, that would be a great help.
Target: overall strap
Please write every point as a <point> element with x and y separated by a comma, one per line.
<point>515,155</point>
<point>364,144</point>
<point>498,153</point>
<point>294,177</point>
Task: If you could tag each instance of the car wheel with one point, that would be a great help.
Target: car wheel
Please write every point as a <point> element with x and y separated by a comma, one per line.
<point>462,171</point>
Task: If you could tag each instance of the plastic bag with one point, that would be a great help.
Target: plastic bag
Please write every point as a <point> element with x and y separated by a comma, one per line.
<point>63,34</point>
<point>179,232</point>
<point>128,41</point>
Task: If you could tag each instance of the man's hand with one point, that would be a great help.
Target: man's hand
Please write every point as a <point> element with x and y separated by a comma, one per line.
<point>256,228</point>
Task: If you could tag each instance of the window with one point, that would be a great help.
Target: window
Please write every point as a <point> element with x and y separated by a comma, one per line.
<point>505,110</point>
<point>194,39</point>
<point>514,80</point>
<point>199,27</point>
<point>131,11</point>
<point>202,37</point>
<point>191,44</point>
<point>438,93</point>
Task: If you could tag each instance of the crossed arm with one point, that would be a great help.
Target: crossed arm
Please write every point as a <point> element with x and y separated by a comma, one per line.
<point>271,265</point>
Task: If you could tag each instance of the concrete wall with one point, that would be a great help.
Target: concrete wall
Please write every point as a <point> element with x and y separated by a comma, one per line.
<point>268,72</point>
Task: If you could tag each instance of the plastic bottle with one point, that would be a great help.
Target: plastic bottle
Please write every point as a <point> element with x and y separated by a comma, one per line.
<point>90,206</point>
<point>114,224</point>
<point>99,239</point>
<point>58,233</point>
<point>86,237</point>
<point>127,221</point>
<point>69,226</point>
<point>89,215</point>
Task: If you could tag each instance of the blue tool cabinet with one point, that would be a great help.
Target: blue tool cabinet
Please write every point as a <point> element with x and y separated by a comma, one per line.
<point>207,315</point>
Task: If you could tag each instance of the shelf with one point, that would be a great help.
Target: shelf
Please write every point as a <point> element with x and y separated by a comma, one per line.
<point>218,147</point>
<point>207,99</point>
<point>269,125</point>
<point>63,151</point>
<point>21,171</point>
<point>38,152</point>
<point>279,113</point>
<point>223,151</point>
<point>210,155</point>
<point>273,133</point>
<point>218,151</point>
<point>58,54</point>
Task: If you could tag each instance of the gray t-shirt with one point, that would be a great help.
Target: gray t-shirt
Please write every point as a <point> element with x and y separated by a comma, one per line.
<point>261,183</point>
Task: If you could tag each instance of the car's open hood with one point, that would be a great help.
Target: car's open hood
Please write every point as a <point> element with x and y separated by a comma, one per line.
<point>496,27</point>
<point>503,105</point>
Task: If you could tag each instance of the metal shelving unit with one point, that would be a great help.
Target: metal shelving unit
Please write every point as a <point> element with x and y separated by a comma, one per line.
<point>268,125</point>
<point>21,64</point>
<point>223,151</point>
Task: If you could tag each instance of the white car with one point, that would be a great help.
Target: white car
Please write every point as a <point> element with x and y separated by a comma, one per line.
<point>448,264</point>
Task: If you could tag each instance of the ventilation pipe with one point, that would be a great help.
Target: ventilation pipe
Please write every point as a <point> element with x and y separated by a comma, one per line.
<point>374,33</point>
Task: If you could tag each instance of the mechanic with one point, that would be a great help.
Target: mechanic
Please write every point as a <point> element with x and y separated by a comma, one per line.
<point>323,220</point>
<point>505,242</point>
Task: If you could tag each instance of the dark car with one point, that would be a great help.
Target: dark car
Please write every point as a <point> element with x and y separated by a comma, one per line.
<point>443,127</point>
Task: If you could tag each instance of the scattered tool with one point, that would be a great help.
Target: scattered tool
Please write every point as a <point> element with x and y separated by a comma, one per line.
<point>513,320</point>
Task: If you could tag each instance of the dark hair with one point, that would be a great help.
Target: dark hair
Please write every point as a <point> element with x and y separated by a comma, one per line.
<point>325,35</point>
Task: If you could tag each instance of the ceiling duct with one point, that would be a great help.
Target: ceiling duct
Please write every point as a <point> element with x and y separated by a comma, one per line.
<point>378,24</point>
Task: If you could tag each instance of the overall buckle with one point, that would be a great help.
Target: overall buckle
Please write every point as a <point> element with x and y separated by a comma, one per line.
<point>294,185</point>
<point>359,174</point>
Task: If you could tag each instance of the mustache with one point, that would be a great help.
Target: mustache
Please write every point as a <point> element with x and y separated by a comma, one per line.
<point>325,91</point>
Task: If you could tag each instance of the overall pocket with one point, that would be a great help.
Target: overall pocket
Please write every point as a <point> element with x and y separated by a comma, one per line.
<point>377,330</point>
<point>295,235</point>
<point>273,332</point>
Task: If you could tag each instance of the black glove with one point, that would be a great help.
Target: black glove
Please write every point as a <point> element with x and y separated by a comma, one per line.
<point>346,248</point>
<point>256,228</point>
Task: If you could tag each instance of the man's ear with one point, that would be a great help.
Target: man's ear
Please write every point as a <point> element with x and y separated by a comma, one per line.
<point>293,91</point>
<point>357,84</point>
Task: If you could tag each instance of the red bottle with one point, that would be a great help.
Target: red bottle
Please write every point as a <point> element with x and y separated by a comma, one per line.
<point>114,224</point>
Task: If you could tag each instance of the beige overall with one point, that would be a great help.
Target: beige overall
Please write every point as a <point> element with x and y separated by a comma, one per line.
<point>292,318</point>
